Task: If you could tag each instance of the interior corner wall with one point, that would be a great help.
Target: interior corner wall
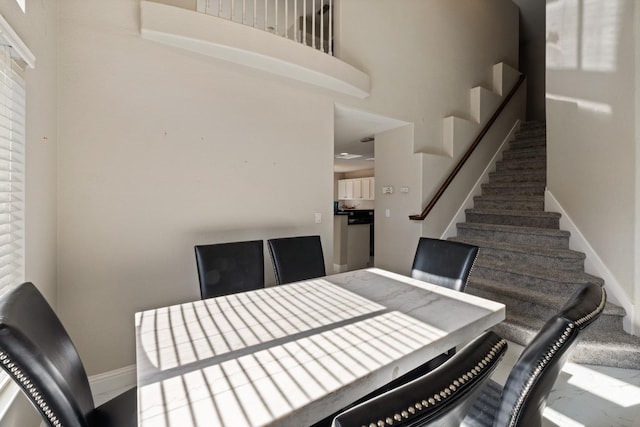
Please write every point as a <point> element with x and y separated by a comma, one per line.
<point>160,150</point>
<point>636,295</point>
<point>396,238</point>
<point>591,136</point>
<point>38,30</point>
<point>424,57</point>
<point>532,55</point>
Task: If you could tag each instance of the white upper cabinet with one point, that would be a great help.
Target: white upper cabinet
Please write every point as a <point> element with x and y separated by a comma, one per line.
<point>356,189</point>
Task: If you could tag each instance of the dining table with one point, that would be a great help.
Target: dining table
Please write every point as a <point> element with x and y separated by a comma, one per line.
<point>291,355</point>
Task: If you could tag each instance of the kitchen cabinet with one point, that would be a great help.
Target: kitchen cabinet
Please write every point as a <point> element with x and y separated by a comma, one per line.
<point>356,189</point>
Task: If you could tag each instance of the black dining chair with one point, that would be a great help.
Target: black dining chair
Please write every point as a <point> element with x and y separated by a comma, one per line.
<point>38,355</point>
<point>441,397</point>
<point>227,268</point>
<point>444,262</point>
<point>296,258</point>
<point>522,400</point>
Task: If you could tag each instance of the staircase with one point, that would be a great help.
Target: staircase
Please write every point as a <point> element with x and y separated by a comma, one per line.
<point>525,261</point>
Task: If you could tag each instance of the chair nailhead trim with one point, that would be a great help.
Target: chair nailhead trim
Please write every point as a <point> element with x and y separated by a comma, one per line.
<point>445,393</point>
<point>25,381</point>
<point>549,355</point>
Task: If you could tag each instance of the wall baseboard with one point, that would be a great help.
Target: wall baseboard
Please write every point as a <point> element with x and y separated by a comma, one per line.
<point>593,264</point>
<point>109,384</point>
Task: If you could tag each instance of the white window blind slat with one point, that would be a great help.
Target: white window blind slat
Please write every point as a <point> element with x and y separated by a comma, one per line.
<point>12,140</point>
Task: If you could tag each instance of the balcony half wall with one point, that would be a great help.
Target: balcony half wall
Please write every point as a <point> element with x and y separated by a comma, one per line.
<point>241,44</point>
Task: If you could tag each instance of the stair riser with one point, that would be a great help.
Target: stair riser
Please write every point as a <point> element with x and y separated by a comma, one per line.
<point>530,132</point>
<point>604,323</point>
<point>516,190</point>
<point>522,144</point>
<point>518,305</point>
<point>547,285</point>
<point>552,263</point>
<point>516,220</point>
<point>521,205</point>
<point>587,353</point>
<point>521,165</point>
<point>515,237</point>
<point>510,177</point>
<point>539,154</point>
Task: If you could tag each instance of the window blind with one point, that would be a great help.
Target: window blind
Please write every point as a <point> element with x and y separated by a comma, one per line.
<point>12,170</point>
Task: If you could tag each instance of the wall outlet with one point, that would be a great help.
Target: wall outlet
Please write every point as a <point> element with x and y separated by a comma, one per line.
<point>318,217</point>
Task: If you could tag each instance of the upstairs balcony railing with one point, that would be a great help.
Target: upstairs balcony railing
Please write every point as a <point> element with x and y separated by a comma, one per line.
<point>309,22</point>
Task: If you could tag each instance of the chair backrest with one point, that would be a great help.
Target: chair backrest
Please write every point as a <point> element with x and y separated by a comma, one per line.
<point>37,352</point>
<point>297,258</point>
<point>227,268</point>
<point>525,392</point>
<point>443,262</point>
<point>439,398</point>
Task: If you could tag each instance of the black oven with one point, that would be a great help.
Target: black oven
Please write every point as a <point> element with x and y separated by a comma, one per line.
<point>364,216</point>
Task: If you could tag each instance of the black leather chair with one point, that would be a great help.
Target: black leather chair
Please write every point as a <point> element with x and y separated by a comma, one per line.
<point>38,355</point>
<point>297,258</point>
<point>444,262</point>
<point>441,397</point>
<point>524,396</point>
<point>227,268</point>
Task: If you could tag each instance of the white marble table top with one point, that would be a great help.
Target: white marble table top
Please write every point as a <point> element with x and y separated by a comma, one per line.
<point>293,354</point>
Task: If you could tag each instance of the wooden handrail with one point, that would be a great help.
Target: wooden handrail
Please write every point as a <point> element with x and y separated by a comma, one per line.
<point>467,154</point>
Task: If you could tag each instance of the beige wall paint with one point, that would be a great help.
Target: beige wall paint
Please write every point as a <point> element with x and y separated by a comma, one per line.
<point>396,238</point>
<point>423,57</point>
<point>161,150</point>
<point>636,296</point>
<point>38,29</point>
<point>590,117</point>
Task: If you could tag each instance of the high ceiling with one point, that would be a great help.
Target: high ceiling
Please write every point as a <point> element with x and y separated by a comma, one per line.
<point>351,127</point>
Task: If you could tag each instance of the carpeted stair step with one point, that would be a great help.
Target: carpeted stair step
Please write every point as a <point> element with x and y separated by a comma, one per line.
<point>533,124</point>
<point>540,219</point>
<point>534,176</point>
<point>515,188</point>
<point>544,237</point>
<point>506,202</point>
<point>530,133</point>
<point>611,348</point>
<point>538,304</point>
<point>529,142</point>
<point>531,269</point>
<point>521,164</point>
<point>531,276</point>
<point>550,258</point>
<point>525,153</point>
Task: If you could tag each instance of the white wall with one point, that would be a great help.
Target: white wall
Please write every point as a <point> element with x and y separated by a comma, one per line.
<point>38,29</point>
<point>161,150</point>
<point>396,238</point>
<point>591,126</point>
<point>423,57</point>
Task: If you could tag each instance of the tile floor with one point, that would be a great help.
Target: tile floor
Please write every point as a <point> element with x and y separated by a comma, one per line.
<point>585,395</point>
